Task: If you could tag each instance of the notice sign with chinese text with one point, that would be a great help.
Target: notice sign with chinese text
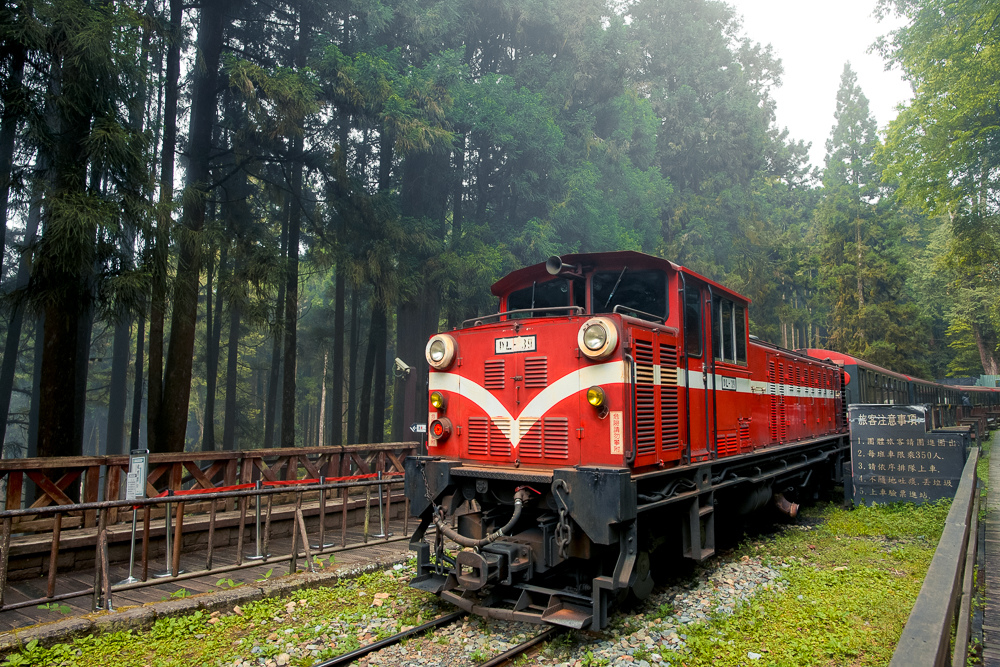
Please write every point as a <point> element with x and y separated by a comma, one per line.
<point>895,458</point>
<point>135,480</point>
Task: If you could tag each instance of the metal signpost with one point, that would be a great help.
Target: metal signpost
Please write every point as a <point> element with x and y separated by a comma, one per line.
<point>135,489</point>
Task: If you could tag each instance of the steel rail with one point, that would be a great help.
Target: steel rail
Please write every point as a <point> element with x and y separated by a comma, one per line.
<point>549,633</point>
<point>348,658</point>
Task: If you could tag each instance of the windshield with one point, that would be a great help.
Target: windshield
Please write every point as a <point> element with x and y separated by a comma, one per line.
<point>548,294</point>
<point>639,293</point>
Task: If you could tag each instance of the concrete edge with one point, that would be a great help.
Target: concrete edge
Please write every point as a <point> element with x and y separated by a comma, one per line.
<point>143,617</point>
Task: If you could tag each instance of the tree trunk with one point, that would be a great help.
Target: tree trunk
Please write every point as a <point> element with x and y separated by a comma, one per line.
<point>213,330</point>
<point>379,336</point>
<point>118,395</point>
<point>274,378</point>
<point>986,343</point>
<point>177,377</point>
<point>232,375</point>
<point>857,240</point>
<point>164,221</point>
<point>292,268</point>
<point>36,388</point>
<point>352,386</point>
<point>336,400</point>
<point>336,418</point>
<point>8,133</point>
<point>364,433</point>
<point>60,430</point>
<point>140,344</point>
<point>12,345</point>
<point>322,403</point>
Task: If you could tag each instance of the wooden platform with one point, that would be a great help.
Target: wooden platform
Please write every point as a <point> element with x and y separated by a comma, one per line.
<point>165,588</point>
<point>991,568</point>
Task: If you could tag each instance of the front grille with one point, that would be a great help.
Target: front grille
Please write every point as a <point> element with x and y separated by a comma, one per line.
<point>645,399</point>
<point>547,438</point>
<point>489,437</point>
<point>669,414</point>
<point>494,374</point>
<point>536,372</point>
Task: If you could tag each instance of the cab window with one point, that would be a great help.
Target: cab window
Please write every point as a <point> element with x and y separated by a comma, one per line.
<point>539,296</point>
<point>729,331</point>
<point>642,294</point>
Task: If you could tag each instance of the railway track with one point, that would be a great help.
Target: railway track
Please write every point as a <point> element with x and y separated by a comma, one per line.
<point>504,658</point>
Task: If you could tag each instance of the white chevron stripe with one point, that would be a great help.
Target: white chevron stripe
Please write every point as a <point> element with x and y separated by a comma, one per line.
<point>599,374</point>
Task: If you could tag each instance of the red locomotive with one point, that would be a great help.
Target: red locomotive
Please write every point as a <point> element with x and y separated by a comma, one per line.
<point>593,426</point>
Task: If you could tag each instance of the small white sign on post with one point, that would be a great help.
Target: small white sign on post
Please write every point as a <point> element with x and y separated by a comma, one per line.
<point>135,481</point>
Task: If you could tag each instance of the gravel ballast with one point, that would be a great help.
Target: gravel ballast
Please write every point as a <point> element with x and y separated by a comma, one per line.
<point>635,638</point>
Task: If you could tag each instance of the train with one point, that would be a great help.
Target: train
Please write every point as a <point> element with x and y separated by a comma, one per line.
<point>585,436</point>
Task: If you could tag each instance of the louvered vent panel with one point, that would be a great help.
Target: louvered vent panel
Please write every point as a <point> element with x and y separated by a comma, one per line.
<point>494,374</point>
<point>782,414</point>
<point>727,445</point>
<point>536,372</point>
<point>669,414</point>
<point>530,445</point>
<point>772,390</point>
<point>745,444</point>
<point>555,438</point>
<point>546,438</point>
<point>500,438</point>
<point>479,436</point>
<point>645,399</point>
<point>489,439</point>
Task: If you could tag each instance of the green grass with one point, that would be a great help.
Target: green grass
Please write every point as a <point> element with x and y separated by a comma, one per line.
<point>324,616</point>
<point>850,583</point>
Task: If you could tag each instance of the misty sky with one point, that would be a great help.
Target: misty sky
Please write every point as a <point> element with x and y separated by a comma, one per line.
<point>814,39</point>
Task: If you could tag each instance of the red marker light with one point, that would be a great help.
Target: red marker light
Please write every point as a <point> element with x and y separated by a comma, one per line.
<point>440,428</point>
<point>847,378</point>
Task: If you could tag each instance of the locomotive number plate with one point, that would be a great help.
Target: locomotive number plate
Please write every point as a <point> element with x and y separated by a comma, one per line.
<point>517,344</point>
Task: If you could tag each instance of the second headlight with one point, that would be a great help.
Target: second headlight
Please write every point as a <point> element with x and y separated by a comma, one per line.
<point>598,338</point>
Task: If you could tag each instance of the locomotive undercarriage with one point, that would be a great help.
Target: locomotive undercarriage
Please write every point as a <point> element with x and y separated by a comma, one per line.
<point>562,546</point>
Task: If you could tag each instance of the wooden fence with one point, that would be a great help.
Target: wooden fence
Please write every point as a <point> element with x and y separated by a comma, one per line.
<point>89,479</point>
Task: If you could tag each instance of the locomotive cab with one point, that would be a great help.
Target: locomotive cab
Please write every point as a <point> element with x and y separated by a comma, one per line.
<point>602,394</point>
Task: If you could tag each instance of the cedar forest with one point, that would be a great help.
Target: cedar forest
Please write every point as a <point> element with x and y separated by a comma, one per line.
<point>224,219</point>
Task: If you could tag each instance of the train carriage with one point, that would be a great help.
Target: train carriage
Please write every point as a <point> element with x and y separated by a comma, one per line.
<point>594,425</point>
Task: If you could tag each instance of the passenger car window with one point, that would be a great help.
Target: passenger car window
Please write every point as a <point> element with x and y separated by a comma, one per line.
<point>639,293</point>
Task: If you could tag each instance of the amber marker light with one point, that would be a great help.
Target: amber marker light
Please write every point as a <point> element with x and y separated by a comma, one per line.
<point>440,428</point>
<point>437,400</point>
<point>595,396</point>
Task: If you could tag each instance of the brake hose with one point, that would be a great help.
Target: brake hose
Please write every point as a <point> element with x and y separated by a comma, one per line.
<point>454,536</point>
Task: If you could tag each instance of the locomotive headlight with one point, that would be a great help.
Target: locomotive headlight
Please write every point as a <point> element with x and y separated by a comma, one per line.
<point>437,400</point>
<point>440,351</point>
<point>596,397</point>
<point>440,428</point>
<point>597,338</point>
